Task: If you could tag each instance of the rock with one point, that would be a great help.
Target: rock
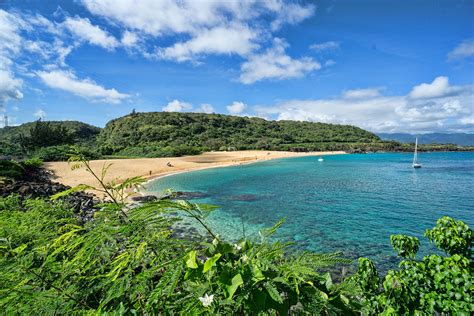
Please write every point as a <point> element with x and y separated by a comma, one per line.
<point>189,195</point>
<point>145,198</point>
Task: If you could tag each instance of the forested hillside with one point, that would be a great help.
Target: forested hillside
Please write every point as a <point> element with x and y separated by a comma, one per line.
<point>164,132</point>
<point>50,140</point>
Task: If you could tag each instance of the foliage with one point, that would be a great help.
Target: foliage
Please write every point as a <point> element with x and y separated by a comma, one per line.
<point>32,163</point>
<point>406,246</point>
<point>46,140</point>
<point>63,152</point>
<point>432,285</point>
<point>11,169</point>
<point>161,130</point>
<point>453,237</point>
<point>125,261</point>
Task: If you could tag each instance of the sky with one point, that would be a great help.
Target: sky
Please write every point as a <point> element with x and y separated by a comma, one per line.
<point>386,66</point>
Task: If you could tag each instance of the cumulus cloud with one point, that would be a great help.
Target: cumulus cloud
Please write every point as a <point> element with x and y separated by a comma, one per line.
<point>93,34</point>
<point>290,13</point>
<point>9,87</point>
<point>203,28</point>
<point>237,39</point>
<point>40,114</point>
<point>378,113</point>
<point>330,45</point>
<point>361,93</point>
<point>10,45</point>
<point>236,108</point>
<point>438,88</point>
<point>463,50</point>
<point>85,88</point>
<point>205,108</point>
<point>177,106</point>
<point>129,39</point>
<point>274,63</point>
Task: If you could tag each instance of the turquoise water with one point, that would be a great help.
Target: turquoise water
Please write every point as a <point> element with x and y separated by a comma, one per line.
<point>349,203</point>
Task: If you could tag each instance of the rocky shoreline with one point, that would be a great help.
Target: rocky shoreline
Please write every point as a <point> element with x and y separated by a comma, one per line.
<point>38,185</point>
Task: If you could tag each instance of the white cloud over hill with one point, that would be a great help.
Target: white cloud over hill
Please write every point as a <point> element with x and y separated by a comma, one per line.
<point>428,107</point>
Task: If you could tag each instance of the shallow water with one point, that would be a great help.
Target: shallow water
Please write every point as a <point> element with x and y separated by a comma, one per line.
<point>348,203</point>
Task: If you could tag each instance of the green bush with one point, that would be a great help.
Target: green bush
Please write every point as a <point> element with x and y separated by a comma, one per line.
<point>433,285</point>
<point>11,169</point>
<point>63,152</point>
<point>32,163</point>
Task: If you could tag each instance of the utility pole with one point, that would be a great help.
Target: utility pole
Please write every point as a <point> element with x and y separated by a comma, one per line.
<point>5,120</point>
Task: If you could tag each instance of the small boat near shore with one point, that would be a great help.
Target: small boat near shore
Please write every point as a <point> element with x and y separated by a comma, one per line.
<point>320,159</point>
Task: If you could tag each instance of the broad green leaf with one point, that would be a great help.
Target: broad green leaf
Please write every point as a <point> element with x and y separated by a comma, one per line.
<point>191,260</point>
<point>235,283</point>
<point>211,262</point>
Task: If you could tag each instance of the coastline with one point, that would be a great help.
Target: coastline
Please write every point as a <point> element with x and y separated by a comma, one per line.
<point>155,168</point>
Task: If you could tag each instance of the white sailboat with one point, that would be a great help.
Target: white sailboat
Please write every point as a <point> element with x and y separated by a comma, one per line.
<point>416,164</point>
<point>320,159</point>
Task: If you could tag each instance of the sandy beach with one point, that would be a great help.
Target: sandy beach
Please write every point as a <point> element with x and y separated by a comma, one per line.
<point>151,168</point>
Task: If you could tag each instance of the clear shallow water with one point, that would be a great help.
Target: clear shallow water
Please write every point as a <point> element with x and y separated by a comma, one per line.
<point>349,203</point>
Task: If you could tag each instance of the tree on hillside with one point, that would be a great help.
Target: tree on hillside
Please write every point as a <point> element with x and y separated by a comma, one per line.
<point>42,134</point>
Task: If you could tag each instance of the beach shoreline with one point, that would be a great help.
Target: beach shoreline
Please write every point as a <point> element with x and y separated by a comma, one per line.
<point>154,168</point>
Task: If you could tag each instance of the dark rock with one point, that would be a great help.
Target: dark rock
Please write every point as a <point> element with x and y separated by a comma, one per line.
<point>189,195</point>
<point>145,198</point>
<point>39,186</point>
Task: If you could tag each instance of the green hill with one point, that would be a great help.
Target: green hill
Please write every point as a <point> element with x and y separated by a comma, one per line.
<point>78,130</point>
<point>49,140</point>
<point>167,134</point>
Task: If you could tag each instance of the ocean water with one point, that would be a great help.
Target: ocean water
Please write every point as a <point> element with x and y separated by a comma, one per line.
<point>348,203</point>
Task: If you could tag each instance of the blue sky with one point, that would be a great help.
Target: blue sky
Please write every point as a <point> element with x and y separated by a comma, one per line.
<point>387,66</point>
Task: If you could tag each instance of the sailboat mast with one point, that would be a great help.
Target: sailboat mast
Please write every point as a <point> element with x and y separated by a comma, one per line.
<point>416,148</point>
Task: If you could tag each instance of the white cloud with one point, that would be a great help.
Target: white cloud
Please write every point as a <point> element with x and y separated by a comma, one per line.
<point>330,45</point>
<point>10,45</point>
<point>177,106</point>
<point>86,88</point>
<point>9,87</point>
<point>40,114</point>
<point>84,30</point>
<point>236,108</point>
<point>361,93</point>
<point>378,113</point>
<point>463,50</point>
<point>129,39</point>
<point>205,108</point>
<point>438,88</point>
<point>275,64</point>
<point>329,63</point>
<point>291,13</point>
<point>236,39</point>
<point>468,120</point>
<point>199,28</point>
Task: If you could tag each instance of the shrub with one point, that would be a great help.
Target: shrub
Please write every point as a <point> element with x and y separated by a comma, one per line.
<point>433,285</point>
<point>11,169</point>
<point>32,163</point>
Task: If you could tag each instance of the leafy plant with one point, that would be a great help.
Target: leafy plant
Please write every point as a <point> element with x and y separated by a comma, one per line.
<point>406,246</point>
<point>126,261</point>
<point>11,169</point>
<point>432,285</point>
